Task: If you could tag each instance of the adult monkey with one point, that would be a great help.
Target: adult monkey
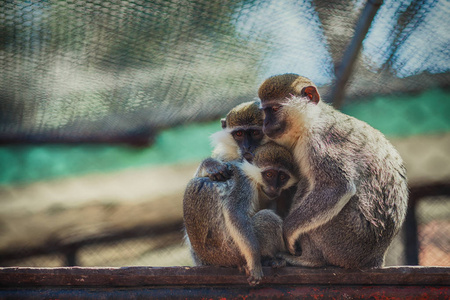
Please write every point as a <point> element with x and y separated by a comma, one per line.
<point>356,199</point>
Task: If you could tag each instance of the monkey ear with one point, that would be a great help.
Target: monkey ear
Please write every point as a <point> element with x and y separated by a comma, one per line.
<point>312,94</point>
<point>224,123</point>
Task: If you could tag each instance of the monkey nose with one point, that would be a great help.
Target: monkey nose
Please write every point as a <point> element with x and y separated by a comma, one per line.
<point>271,192</point>
<point>248,157</point>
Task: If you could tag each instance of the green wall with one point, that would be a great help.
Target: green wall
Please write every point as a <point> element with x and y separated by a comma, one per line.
<point>395,116</point>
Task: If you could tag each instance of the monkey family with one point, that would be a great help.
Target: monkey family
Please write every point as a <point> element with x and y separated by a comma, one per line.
<point>293,181</point>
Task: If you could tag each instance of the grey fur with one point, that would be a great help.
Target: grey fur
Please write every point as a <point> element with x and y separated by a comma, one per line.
<point>356,198</point>
<point>223,227</point>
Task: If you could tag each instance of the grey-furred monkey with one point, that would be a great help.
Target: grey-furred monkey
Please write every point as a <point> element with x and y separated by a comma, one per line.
<point>223,223</point>
<point>356,197</point>
<point>241,134</point>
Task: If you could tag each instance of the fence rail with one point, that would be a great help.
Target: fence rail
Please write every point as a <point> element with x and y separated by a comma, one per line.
<point>70,247</point>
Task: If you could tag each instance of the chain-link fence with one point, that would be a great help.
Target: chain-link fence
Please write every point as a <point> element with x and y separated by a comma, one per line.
<point>83,82</point>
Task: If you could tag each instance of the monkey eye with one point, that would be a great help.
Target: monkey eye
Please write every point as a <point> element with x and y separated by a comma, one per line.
<point>239,133</point>
<point>275,108</point>
<point>268,174</point>
<point>284,176</point>
<point>256,132</point>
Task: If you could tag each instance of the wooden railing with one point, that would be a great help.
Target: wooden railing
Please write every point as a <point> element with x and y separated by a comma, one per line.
<point>224,283</point>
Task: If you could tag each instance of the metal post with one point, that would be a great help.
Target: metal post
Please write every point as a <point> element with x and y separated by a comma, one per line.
<point>344,70</point>
<point>71,257</point>
<point>411,237</point>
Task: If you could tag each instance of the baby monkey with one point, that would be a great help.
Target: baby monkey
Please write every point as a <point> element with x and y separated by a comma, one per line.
<point>222,221</point>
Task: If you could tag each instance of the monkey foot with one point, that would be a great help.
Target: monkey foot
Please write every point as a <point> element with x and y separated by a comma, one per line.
<point>300,261</point>
<point>254,275</point>
<point>274,262</point>
<point>254,280</point>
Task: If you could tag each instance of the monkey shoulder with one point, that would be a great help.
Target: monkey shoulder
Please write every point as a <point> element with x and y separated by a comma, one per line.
<point>346,139</point>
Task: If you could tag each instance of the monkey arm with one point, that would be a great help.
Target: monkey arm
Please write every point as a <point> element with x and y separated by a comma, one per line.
<point>214,169</point>
<point>316,208</point>
<point>238,224</point>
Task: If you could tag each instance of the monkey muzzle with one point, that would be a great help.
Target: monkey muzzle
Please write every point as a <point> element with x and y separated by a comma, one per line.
<point>271,193</point>
<point>275,129</point>
<point>273,132</point>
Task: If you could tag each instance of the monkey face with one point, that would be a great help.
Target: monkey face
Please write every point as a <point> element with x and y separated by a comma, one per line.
<point>275,124</point>
<point>274,180</point>
<point>278,90</point>
<point>248,140</point>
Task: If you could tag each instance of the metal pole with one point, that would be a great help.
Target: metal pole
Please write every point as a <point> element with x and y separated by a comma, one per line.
<point>71,257</point>
<point>344,70</point>
<point>411,237</point>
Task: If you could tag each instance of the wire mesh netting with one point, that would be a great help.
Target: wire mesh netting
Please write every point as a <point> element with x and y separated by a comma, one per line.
<point>83,72</point>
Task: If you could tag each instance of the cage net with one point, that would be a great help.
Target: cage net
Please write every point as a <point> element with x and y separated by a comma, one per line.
<point>85,72</point>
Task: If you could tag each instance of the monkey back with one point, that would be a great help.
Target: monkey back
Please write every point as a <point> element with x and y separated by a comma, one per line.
<point>204,205</point>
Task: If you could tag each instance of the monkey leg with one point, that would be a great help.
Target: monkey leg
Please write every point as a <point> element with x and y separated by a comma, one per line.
<point>269,232</point>
<point>241,230</point>
<point>350,241</point>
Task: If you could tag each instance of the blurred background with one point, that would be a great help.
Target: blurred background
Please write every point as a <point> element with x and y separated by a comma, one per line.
<point>106,108</point>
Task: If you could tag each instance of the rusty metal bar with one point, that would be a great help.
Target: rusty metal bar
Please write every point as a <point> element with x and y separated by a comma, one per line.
<point>240,292</point>
<point>69,247</point>
<point>410,229</point>
<point>199,276</point>
<point>216,283</point>
<point>344,70</point>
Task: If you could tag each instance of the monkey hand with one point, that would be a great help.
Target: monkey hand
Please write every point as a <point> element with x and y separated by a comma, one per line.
<point>254,275</point>
<point>215,170</point>
<point>293,246</point>
<point>290,244</point>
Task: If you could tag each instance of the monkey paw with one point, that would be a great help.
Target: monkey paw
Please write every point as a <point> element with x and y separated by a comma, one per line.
<point>291,248</point>
<point>274,262</point>
<point>301,261</point>
<point>254,275</point>
<point>254,280</point>
<point>278,263</point>
<point>219,172</point>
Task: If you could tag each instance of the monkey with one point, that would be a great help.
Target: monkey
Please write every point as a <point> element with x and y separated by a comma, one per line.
<point>355,197</point>
<point>244,125</point>
<point>241,134</point>
<point>223,224</point>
